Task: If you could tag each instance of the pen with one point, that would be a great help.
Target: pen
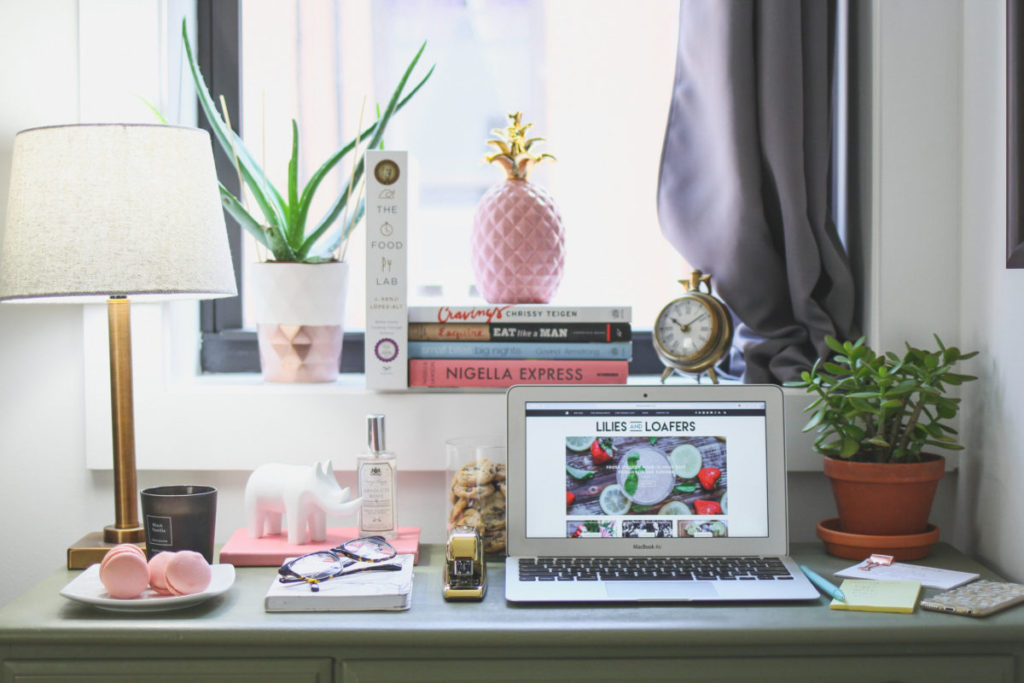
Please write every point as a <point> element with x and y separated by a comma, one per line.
<point>823,584</point>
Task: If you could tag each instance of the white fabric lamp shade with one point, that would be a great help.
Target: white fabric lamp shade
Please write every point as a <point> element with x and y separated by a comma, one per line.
<point>114,210</point>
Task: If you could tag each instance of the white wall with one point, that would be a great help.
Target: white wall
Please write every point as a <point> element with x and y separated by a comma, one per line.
<point>993,477</point>
<point>41,417</point>
<point>41,355</point>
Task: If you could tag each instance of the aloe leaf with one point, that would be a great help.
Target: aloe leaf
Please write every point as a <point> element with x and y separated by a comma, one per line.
<point>356,217</point>
<point>271,238</point>
<point>270,202</point>
<point>358,172</point>
<point>318,176</point>
<point>294,229</point>
<point>378,133</point>
<point>330,243</point>
<point>238,212</point>
<point>156,112</point>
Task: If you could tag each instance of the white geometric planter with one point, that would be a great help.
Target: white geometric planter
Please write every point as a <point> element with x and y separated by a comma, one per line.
<point>300,314</point>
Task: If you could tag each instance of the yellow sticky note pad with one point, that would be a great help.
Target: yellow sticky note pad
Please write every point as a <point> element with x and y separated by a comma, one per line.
<point>878,596</point>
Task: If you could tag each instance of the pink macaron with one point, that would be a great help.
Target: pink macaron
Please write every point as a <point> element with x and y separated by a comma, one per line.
<point>187,572</point>
<point>158,572</point>
<point>124,571</point>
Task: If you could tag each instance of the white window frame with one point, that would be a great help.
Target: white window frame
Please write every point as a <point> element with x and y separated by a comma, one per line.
<point>188,421</point>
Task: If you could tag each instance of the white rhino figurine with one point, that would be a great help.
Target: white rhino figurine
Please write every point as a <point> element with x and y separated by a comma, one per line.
<point>306,494</point>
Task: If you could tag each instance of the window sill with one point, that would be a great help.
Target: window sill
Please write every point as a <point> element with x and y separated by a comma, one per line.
<point>236,421</point>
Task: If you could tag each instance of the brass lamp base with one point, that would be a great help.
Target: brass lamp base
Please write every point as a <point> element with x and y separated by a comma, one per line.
<point>91,548</point>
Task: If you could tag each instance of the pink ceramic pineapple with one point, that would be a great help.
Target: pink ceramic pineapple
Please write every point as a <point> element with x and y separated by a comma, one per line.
<point>518,238</point>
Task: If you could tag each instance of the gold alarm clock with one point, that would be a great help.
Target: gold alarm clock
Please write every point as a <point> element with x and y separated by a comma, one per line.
<point>694,332</point>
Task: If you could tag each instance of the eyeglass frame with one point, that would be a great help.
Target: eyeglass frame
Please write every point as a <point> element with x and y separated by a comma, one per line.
<point>288,575</point>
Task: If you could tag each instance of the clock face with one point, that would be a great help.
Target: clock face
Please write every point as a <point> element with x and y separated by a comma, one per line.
<point>685,327</point>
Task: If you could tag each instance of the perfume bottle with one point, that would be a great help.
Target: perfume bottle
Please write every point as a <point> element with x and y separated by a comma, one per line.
<point>376,478</point>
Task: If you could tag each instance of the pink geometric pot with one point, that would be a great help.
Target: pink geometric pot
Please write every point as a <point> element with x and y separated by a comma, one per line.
<point>300,313</point>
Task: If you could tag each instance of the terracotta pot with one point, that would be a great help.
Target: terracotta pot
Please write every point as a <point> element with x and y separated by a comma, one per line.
<point>884,498</point>
<point>300,312</point>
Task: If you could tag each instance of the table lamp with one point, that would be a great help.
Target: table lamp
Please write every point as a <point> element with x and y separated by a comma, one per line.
<point>113,212</point>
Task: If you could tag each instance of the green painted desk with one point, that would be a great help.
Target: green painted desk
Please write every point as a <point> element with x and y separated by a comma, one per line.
<point>44,637</point>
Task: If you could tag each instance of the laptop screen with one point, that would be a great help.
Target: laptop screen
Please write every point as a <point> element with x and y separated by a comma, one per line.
<point>664,469</point>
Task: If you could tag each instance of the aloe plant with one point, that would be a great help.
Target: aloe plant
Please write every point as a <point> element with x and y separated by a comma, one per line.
<point>882,407</point>
<point>283,225</point>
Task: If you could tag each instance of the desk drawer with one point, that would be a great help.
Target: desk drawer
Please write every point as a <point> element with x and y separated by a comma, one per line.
<point>181,670</point>
<point>844,669</point>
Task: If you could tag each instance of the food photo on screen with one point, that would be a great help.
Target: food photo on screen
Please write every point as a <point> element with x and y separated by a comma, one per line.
<point>645,476</point>
<point>592,528</point>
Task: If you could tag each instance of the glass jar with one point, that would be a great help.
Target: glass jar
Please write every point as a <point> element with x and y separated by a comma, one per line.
<point>476,487</point>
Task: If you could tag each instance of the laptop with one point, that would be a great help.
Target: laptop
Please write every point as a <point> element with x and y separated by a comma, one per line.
<point>648,493</point>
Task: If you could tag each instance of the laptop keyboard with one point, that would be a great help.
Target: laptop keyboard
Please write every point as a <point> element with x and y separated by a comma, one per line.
<point>652,569</point>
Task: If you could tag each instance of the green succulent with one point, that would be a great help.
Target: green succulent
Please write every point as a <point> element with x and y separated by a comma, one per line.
<point>282,224</point>
<point>882,407</point>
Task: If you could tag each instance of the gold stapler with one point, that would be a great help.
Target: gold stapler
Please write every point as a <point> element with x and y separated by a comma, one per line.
<point>465,575</point>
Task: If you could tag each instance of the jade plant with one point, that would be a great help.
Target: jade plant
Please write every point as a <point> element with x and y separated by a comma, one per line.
<point>282,224</point>
<point>883,408</point>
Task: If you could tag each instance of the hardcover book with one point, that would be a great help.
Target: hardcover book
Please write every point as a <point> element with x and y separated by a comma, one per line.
<point>429,372</point>
<point>536,332</point>
<point>365,591</point>
<point>387,208</point>
<point>520,350</point>
<point>520,313</point>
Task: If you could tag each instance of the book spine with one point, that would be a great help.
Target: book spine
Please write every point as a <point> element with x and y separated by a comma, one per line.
<point>387,316</point>
<point>430,372</point>
<point>484,332</point>
<point>520,313</point>
<point>522,350</point>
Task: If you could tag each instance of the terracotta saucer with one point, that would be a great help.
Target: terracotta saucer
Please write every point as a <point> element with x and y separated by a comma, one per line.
<point>860,546</point>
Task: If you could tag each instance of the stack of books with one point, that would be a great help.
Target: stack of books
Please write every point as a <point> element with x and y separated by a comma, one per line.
<point>500,345</point>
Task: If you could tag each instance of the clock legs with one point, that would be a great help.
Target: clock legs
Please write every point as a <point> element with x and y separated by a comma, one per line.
<point>710,371</point>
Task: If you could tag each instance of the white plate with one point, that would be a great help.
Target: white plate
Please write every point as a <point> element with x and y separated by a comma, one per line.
<point>87,588</point>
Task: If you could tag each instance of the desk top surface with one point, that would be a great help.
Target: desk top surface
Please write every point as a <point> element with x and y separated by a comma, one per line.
<point>41,615</point>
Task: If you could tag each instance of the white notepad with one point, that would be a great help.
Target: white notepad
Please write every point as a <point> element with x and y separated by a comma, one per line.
<point>930,577</point>
<point>362,592</point>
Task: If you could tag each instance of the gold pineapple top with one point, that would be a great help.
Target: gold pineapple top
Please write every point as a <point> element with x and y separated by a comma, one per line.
<point>513,153</point>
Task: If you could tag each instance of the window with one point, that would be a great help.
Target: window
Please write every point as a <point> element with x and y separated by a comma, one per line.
<point>595,79</point>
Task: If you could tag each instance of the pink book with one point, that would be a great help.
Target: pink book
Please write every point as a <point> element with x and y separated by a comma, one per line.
<point>242,550</point>
<point>446,372</point>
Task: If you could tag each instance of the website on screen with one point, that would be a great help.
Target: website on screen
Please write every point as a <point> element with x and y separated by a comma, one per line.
<point>646,470</point>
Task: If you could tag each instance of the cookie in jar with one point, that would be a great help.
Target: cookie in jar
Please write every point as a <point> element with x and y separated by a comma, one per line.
<point>476,488</point>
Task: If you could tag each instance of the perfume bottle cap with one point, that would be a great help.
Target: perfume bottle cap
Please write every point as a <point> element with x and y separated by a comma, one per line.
<point>375,432</point>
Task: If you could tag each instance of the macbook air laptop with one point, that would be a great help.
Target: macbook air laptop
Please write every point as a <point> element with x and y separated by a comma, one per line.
<point>648,493</point>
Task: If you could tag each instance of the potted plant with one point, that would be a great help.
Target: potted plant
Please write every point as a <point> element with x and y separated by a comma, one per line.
<point>876,414</point>
<point>299,289</point>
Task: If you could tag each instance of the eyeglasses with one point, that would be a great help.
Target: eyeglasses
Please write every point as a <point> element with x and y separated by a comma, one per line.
<point>322,565</point>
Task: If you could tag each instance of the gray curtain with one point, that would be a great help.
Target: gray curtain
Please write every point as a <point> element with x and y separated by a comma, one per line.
<point>745,185</point>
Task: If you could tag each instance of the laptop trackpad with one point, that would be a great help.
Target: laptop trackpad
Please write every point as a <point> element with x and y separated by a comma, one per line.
<point>660,590</point>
